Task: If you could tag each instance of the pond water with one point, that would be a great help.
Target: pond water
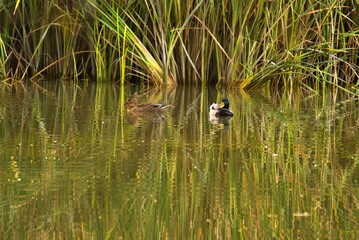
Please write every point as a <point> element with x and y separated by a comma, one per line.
<point>75,164</point>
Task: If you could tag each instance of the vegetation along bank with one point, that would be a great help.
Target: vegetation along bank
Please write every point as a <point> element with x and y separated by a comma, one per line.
<point>243,44</point>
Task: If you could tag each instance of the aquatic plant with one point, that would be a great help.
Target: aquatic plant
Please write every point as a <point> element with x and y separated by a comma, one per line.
<point>243,44</point>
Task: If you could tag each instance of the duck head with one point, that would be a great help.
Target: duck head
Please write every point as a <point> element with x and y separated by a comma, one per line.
<point>225,103</point>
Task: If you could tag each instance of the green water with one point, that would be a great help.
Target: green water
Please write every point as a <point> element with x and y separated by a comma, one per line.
<point>75,165</point>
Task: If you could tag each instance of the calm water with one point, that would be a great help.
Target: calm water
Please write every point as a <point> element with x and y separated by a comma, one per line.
<point>75,165</point>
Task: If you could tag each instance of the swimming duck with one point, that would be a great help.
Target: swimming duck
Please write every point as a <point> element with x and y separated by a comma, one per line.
<point>133,106</point>
<point>223,110</point>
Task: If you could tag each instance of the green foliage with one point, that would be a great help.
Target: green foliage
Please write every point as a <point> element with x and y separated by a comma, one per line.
<point>2,58</point>
<point>243,44</point>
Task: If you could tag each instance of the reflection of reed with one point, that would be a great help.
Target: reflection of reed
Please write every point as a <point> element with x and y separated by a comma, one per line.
<point>281,167</point>
<point>133,118</point>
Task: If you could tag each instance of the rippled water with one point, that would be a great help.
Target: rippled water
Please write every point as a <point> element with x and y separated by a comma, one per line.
<point>75,164</point>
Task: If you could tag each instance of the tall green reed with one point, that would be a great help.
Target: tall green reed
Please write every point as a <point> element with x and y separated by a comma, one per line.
<point>248,44</point>
<point>3,57</point>
<point>40,37</point>
<point>244,44</point>
<point>112,17</point>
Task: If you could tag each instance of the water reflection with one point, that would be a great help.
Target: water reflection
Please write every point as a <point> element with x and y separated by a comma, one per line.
<point>75,163</point>
<point>224,120</point>
<point>144,117</point>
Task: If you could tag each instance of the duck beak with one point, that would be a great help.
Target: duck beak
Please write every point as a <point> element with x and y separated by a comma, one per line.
<point>221,105</point>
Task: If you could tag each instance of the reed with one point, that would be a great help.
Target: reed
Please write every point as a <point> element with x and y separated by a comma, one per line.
<point>3,57</point>
<point>243,44</point>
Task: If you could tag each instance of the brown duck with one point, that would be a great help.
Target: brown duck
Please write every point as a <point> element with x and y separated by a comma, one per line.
<point>133,106</point>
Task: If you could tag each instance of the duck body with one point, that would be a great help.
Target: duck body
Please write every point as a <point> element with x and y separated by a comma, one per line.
<point>147,108</point>
<point>224,112</point>
<point>133,106</point>
<point>216,111</point>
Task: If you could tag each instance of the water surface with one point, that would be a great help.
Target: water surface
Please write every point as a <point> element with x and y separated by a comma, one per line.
<point>75,164</point>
